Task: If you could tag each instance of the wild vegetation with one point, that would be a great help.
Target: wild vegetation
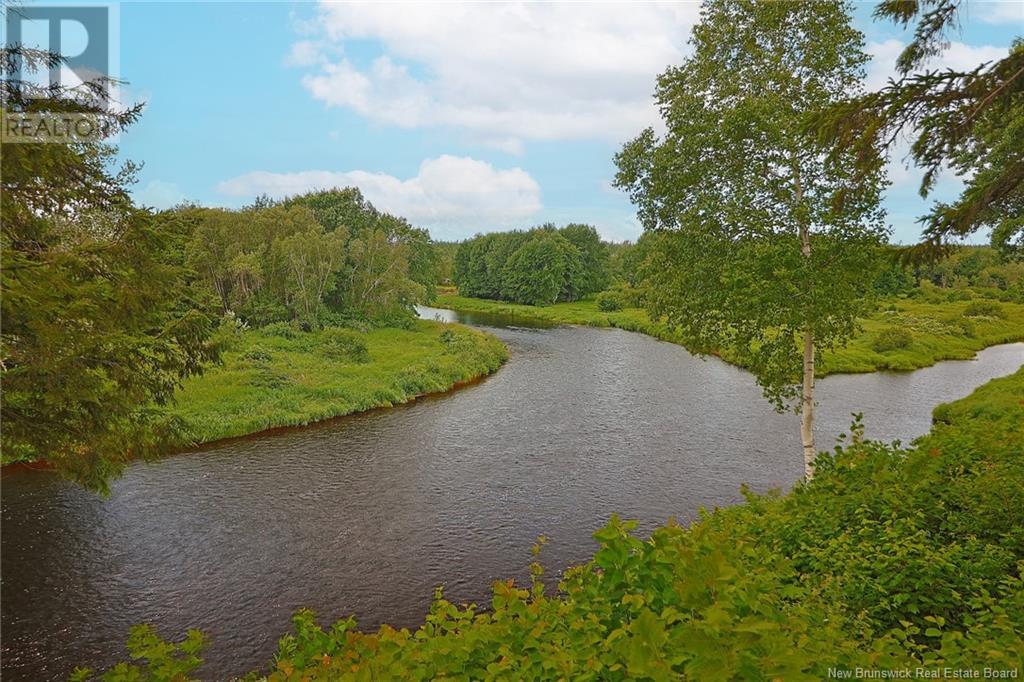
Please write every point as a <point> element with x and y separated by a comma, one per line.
<point>890,557</point>
<point>110,309</point>
<point>935,328</point>
<point>99,324</point>
<point>541,266</point>
<point>970,121</point>
<point>280,375</point>
<point>763,246</point>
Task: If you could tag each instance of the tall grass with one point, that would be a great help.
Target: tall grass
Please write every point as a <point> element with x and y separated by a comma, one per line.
<point>276,377</point>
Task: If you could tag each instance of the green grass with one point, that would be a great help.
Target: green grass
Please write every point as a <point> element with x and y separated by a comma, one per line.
<point>939,331</point>
<point>997,404</point>
<point>267,381</point>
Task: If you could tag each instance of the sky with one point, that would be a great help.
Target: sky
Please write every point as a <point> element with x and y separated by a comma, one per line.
<point>462,117</point>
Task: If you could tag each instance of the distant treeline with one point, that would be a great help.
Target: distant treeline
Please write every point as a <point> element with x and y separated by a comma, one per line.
<point>539,266</point>
<point>321,258</point>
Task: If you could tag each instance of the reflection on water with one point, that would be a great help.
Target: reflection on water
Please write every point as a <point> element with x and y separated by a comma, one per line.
<point>491,320</point>
<point>367,514</point>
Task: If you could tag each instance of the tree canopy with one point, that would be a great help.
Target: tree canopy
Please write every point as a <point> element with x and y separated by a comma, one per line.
<point>99,326</point>
<point>539,266</point>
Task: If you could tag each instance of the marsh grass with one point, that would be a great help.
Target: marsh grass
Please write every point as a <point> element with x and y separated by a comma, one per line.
<point>270,380</point>
<point>938,330</point>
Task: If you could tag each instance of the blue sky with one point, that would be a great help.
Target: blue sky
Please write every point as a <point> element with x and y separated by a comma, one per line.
<point>462,117</point>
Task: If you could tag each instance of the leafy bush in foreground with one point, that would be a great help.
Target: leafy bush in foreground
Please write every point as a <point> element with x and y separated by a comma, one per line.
<point>891,557</point>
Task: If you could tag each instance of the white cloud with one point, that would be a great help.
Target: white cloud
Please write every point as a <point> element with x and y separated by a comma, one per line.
<point>304,53</point>
<point>505,72</point>
<point>455,196</point>
<point>159,194</point>
<point>958,56</point>
<point>1001,11</point>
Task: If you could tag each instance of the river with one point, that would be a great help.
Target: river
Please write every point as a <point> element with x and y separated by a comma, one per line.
<point>366,514</point>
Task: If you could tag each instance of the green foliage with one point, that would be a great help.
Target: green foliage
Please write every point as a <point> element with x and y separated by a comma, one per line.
<point>756,237</point>
<point>340,344</point>
<point>99,323</point>
<point>256,355</point>
<point>320,254</point>
<point>940,330</point>
<point>161,661</point>
<point>891,557</point>
<point>984,309</point>
<point>280,376</point>
<point>347,209</point>
<point>285,330</point>
<point>609,301</point>
<point>540,270</point>
<point>892,338</point>
<point>538,267</point>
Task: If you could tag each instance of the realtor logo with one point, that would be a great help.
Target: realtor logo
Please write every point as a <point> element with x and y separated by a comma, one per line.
<point>84,38</point>
<point>81,35</point>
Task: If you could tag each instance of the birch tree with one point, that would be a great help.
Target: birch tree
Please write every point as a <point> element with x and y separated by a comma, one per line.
<point>766,242</point>
<point>311,259</point>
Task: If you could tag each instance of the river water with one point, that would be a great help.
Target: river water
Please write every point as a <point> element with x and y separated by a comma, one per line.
<point>365,515</point>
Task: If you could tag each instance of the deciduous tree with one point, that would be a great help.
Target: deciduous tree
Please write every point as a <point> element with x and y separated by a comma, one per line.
<point>767,241</point>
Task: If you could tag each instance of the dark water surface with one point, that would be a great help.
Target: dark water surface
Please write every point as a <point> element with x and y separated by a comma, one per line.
<point>367,514</point>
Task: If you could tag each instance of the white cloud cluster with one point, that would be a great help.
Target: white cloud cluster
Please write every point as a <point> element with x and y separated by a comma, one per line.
<point>1002,12</point>
<point>453,195</point>
<point>501,72</point>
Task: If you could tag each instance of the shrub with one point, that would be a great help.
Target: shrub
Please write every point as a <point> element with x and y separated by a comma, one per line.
<point>260,312</point>
<point>342,344</point>
<point>398,318</point>
<point>456,342</point>
<point>283,330</point>
<point>966,327</point>
<point>608,302</point>
<point>892,338</point>
<point>265,377</point>
<point>958,295</point>
<point>257,355</point>
<point>984,309</point>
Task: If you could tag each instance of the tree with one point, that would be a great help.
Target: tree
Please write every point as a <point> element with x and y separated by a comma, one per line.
<point>349,209</point>
<point>594,270</point>
<point>378,283</point>
<point>765,239</point>
<point>537,272</point>
<point>311,259</point>
<point>99,327</point>
<point>969,121</point>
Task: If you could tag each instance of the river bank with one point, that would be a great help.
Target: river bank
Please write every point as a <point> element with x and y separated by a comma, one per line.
<point>273,378</point>
<point>279,377</point>
<point>936,331</point>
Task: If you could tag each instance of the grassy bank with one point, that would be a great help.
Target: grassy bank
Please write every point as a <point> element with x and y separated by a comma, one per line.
<point>935,331</point>
<point>278,376</point>
<point>891,558</point>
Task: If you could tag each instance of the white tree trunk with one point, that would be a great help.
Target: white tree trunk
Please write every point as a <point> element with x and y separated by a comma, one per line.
<point>807,394</point>
<point>807,406</point>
